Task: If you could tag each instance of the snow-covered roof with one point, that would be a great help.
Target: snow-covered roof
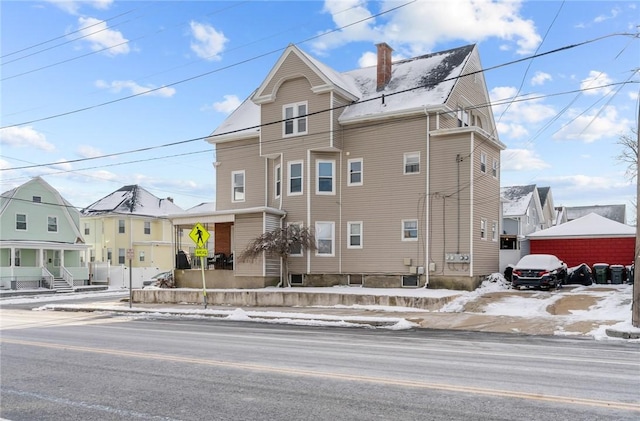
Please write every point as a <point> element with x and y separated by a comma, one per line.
<point>435,74</point>
<point>517,199</point>
<point>202,208</point>
<point>132,200</point>
<point>613,212</point>
<point>592,225</point>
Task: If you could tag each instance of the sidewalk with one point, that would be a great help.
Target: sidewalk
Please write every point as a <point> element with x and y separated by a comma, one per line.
<point>583,311</point>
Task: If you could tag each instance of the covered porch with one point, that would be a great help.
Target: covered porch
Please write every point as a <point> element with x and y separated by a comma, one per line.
<point>229,232</point>
<point>37,264</point>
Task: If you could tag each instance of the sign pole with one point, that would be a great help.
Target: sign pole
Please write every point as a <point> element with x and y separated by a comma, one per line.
<point>200,236</point>
<point>204,284</point>
<point>130,289</point>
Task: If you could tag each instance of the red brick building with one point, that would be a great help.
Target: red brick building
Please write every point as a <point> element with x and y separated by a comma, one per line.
<point>591,239</point>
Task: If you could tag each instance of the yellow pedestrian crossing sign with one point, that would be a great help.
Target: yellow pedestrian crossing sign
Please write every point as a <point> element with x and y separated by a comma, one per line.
<point>199,235</point>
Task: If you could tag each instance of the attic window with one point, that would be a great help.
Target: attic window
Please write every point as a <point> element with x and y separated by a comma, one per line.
<point>37,199</point>
<point>295,119</point>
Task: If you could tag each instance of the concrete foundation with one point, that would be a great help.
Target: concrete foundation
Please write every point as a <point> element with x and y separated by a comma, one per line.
<point>286,298</point>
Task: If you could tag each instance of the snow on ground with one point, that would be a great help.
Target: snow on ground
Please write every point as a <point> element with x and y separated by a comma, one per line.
<point>613,304</point>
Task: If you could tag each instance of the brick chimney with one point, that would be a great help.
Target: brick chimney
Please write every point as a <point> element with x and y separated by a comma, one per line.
<point>384,65</point>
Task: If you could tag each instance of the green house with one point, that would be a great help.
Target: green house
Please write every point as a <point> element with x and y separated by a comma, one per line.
<point>40,241</point>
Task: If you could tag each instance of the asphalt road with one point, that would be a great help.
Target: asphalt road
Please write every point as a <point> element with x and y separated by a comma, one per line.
<point>78,366</point>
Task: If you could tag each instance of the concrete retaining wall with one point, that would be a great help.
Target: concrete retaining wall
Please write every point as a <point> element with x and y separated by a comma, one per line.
<point>282,298</point>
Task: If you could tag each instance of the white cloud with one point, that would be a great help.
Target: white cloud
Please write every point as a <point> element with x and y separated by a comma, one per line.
<point>599,124</point>
<point>590,84</point>
<point>230,103</point>
<point>25,137</point>
<point>521,160</point>
<point>514,118</point>
<point>416,28</point>
<point>72,6</point>
<point>602,18</point>
<point>369,59</point>
<point>87,151</point>
<point>135,89</point>
<point>586,182</point>
<point>540,78</point>
<point>96,33</point>
<point>208,43</point>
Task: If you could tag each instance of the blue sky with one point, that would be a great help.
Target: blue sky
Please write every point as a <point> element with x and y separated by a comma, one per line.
<point>69,71</point>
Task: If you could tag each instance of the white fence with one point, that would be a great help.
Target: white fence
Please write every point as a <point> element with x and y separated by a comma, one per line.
<point>118,276</point>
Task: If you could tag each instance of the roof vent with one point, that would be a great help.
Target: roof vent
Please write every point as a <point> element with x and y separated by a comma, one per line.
<point>384,65</point>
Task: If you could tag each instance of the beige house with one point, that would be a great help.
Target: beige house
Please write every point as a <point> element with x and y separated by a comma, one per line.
<point>131,224</point>
<point>395,167</point>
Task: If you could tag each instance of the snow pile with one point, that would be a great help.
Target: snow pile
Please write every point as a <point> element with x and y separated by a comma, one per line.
<point>494,283</point>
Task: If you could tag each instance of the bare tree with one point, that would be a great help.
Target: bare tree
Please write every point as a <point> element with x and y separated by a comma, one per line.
<point>281,242</point>
<point>629,153</point>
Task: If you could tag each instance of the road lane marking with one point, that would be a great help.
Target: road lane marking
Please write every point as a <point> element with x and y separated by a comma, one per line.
<point>337,376</point>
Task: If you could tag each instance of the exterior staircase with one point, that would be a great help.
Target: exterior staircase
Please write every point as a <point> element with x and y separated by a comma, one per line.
<point>60,285</point>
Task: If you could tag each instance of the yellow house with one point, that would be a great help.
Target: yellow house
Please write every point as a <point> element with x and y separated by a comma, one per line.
<point>131,227</point>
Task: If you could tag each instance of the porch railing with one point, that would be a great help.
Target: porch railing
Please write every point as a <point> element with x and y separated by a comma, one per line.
<point>66,276</point>
<point>47,278</point>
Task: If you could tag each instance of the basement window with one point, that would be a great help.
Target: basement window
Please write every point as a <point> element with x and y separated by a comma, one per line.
<point>296,278</point>
<point>409,280</point>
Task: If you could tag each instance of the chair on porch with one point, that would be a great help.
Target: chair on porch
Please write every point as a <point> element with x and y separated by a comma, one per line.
<point>219,260</point>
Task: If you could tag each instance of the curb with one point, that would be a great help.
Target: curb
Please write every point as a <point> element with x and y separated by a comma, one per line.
<point>620,334</point>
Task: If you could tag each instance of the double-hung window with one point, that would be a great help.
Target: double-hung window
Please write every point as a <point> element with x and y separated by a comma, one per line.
<point>121,226</point>
<point>87,230</point>
<point>325,183</point>
<point>494,231</point>
<point>147,227</point>
<point>354,177</point>
<point>410,230</point>
<point>354,239</point>
<point>494,168</point>
<point>464,118</point>
<point>237,186</point>
<point>52,223</point>
<point>21,222</point>
<point>295,178</point>
<point>295,247</point>
<point>121,256</point>
<point>483,162</point>
<point>295,119</point>
<point>412,162</point>
<point>277,180</point>
<point>325,233</point>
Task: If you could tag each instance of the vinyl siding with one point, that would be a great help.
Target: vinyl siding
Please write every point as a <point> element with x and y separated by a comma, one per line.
<point>318,125</point>
<point>247,228</point>
<point>386,197</point>
<point>294,66</point>
<point>237,156</point>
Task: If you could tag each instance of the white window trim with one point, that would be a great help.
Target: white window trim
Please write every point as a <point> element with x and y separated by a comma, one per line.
<point>233,186</point>
<point>26,222</point>
<point>349,162</point>
<point>124,226</point>
<point>289,164</point>
<point>333,176</point>
<point>349,225</point>
<point>494,231</point>
<point>494,168</point>
<point>404,167</point>
<point>295,118</point>
<point>301,225</point>
<point>277,180</point>
<point>56,219</point>
<point>333,239</point>
<point>402,237</point>
<point>483,162</point>
<point>144,227</point>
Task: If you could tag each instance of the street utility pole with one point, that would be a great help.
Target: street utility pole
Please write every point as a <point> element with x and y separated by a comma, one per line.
<point>635,306</point>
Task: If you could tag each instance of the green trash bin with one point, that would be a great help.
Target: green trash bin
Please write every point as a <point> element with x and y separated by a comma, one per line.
<point>617,274</point>
<point>601,271</point>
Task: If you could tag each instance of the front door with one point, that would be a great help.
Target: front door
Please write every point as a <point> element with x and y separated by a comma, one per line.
<point>52,261</point>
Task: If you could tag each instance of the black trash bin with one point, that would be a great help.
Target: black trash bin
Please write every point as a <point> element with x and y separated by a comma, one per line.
<point>630,274</point>
<point>617,274</point>
<point>601,271</point>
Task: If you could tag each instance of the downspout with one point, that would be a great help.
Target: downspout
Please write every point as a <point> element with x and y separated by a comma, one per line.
<point>308,203</point>
<point>283,216</point>
<point>427,203</point>
<point>339,184</point>
<point>472,182</point>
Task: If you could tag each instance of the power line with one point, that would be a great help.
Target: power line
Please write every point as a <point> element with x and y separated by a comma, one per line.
<point>248,60</point>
